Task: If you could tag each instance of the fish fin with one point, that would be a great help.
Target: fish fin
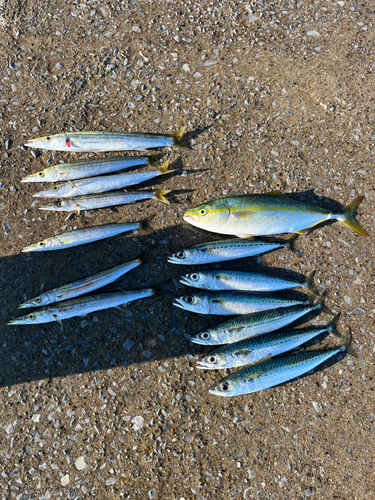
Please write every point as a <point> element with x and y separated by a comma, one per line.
<point>151,158</point>
<point>144,257</point>
<point>302,231</point>
<point>145,224</point>
<point>331,327</point>
<point>161,289</point>
<point>263,360</point>
<point>242,216</point>
<point>347,216</point>
<point>321,305</point>
<point>345,341</point>
<point>159,195</point>
<point>277,194</point>
<point>290,243</point>
<point>245,236</point>
<point>235,330</point>
<point>56,318</point>
<point>177,136</point>
<point>164,168</point>
<point>309,281</point>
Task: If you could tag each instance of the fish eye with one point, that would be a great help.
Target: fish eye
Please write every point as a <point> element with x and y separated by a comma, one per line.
<point>212,359</point>
<point>225,387</point>
<point>40,174</point>
<point>31,316</point>
<point>60,204</point>
<point>180,255</point>
<point>194,276</point>
<point>202,211</point>
<point>37,300</point>
<point>41,244</point>
<point>55,188</point>
<point>205,335</point>
<point>189,299</point>
<point>48,138</point>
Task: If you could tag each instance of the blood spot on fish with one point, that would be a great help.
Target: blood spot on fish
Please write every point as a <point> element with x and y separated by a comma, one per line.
<point>68,142</point>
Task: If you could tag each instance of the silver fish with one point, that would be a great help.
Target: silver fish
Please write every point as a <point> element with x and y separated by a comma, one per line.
<point>257,349</point>
<point>232,303</point>
<point>89,168</point>
<point>97,142</point>
<point>223,250</point>
<point>86,235</point>
<point>105,200</point>
<point>276,371</point>
<point>85,285</point>
<point>242,280</point>
<point>102,184</point>
<point>82,306</point>
<point>244,327</point>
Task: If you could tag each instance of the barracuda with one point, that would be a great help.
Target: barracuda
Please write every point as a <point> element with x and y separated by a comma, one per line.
<point>105,200</point>
<point>97,142</point>
<point>94,185</point>
<point>251,351</point>
<point>266,214</point>
<point>89,168</point>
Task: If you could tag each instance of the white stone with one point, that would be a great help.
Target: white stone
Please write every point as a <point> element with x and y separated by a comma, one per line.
<point>65,480</point>
<point>81,462</point>
<point>138,423</point>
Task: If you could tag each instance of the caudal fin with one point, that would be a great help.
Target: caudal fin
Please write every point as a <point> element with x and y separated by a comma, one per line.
<point>331,327</point>
<point>177,139</point>
<point>159,195</point>
<point>320,305</point>
<point>309,283</point>
<point>145,224</point>
<point>347,218</point>
<point>345,339</point>
<point>164,168</point>
<point>291,244</point>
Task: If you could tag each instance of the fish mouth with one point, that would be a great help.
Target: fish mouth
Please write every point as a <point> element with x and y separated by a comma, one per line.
<point>15,321</point>
<point>184,281</point>
<point>30,248</point>
<point>197,340</point>
<point>188,217</point>
<point>201,365</point>
<point>42,194</point>
<point>179,303</point>
<point>172,260</point>
<point>25,305</point>
<point>29,178</point>
<point>31,143</point>
<point>50,207</point>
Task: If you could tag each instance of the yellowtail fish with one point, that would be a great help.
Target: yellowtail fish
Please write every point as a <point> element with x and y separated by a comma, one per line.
<point>266,214</point>
<point>97,142</point>
<point>223,250</point>
<point>243,280</point>
<point>89,168</point>
<point>101,184</point>
<point>257,349</point>
<point>232,303</point>
<point>86,235</point>
<point>274,372</point>
<point>105,200</point>
<point>83,306</point>
<point>85,285</point>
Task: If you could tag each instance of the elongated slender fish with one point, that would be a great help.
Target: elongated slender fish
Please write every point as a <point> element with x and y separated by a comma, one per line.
<point>85,285</point>
<point>89,168</point>
<point>223,250</point>
<point>255,324</point>
<point>264,214</point>
<point>102,184</point>
<point>251,351</point>
<point>276,371</point>
<point>105,200</point>
<point>82,306</point>
<point>242,280</point>
<point>97,142</point>
<point>231,303</point>
<point>86,235</point>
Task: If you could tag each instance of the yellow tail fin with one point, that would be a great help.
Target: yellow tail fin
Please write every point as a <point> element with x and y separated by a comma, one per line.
<point>159,195</point>
<point>164,168</point>
<point>177,139</point>
<point>347,216</point>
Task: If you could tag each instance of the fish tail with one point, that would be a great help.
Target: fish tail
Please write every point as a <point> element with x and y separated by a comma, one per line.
<point>160,289</point>
<point>331,327</point>
<point>345,342</point>
<point>145,224</point>
<point>159,195</point>
<point>164,168</point>
<point>290,243</point>
<point>309,282</point>
<point>347,216</point>
<point>151,159</point>
<point>144,257</point>
<point>177,139</point>
<point>320,305</point>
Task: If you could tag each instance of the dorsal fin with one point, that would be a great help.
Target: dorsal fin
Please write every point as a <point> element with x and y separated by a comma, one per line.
<point>277,194</point>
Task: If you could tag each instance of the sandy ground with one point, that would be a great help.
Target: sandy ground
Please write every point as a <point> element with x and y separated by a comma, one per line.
<point>276,95</point>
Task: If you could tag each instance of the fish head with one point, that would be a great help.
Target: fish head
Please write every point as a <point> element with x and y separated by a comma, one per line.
<point>188,256</point>
<point>193,303</point>
<point>39,301</point>
<point>59,206</point>
<point>40,177</point>
<point>212,361</point>
<point>211,336</point>
<point>38,247</point>
<point>234,385</point>
<point>52,193</point>
<point>197,280</point>
<point>211,216</point>
<point>56,142</point>
<point>29,319</point>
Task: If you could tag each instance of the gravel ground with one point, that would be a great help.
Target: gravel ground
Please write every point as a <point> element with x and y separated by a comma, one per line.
<point>276,95</point>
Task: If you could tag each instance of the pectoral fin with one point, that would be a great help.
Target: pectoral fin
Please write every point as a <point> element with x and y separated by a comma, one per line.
<point>244,235</point>
<point>57,319</point>
<point>277,194</point>
<point>244,215</point>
